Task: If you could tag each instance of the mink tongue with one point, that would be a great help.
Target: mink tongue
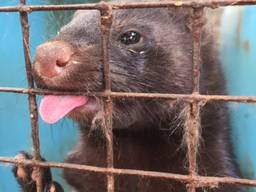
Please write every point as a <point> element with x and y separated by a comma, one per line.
<point>52,108</point>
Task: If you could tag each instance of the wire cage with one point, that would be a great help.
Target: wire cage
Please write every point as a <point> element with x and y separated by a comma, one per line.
<point>192,180</point>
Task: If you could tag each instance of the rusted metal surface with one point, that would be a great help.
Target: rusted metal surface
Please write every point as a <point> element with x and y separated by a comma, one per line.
<point>192,122</point>
<point>185,97</point>
<point>199,181</point>
<point>173,3</point>
<point>194,100</point>
<point>196,37</point>
<point>106,21</point>
<point>192,136</point>
<point>31,97</point>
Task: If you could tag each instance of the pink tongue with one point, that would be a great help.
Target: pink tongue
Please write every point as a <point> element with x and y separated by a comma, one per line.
<point>53,108</point>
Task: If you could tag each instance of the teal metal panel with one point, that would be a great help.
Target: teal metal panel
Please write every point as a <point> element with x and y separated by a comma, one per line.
<point>238,53</point>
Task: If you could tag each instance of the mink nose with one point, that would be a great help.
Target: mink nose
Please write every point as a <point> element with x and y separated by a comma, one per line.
<point>52,58</point>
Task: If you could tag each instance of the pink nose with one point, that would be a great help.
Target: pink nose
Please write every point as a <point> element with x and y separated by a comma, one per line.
<point>52,58</point>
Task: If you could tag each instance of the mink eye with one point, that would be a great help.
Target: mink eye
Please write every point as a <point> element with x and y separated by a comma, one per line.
<point>130,37</point>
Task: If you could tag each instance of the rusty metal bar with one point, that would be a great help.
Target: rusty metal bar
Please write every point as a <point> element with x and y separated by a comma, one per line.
<point>170,3</point>
<point>188,97</point>
<point>106,22</point>
<point>196,37</point>
<point>192,122</point>
<point>31,97</point>
<point>192,137</point>
<point>199,180</point>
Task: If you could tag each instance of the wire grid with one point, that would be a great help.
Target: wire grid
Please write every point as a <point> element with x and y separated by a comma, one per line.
<point>192,180</point>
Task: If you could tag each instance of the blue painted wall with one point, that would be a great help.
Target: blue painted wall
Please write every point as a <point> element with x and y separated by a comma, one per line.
<point>238,53</point>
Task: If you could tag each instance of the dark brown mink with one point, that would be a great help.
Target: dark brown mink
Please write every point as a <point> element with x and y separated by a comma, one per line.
<point>150,51</point>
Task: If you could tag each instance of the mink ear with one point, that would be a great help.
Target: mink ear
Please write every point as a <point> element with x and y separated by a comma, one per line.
<point>189,20</point>
<point>183,15</point>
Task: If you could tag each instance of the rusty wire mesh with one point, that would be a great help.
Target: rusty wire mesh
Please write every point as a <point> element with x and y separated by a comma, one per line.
<point>193,180</point>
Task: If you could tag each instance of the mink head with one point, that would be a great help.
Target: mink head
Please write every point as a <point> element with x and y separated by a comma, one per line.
<point>150,51</point>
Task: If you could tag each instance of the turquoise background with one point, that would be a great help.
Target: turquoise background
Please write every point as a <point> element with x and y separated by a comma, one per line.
<point>238,53</point>
<point>15,132</point>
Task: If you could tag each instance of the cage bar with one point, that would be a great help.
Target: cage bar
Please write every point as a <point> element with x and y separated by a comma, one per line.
<point>106,21</point>
<point>192,122</point>
<point>31,97</point>
<point>169,3</point>
<point>186,97</point>
<point>204,180</point>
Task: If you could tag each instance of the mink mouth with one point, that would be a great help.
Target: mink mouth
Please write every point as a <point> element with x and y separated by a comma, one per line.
<point>55,107</point>
<point>91,106</point>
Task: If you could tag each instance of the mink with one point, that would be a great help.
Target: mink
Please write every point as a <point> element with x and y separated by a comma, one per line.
<point>150,51</point>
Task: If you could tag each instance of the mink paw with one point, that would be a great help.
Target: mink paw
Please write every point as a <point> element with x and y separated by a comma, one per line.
<point>26,176</point>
